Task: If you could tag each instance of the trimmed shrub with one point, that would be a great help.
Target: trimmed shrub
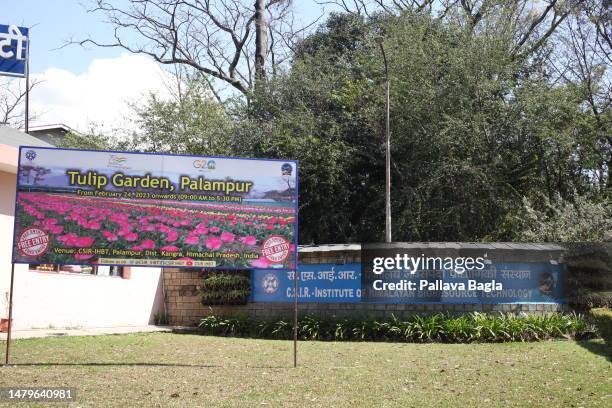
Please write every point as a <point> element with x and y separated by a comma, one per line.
<point>603,321</point>
<point>589,282</point>
<point>475,327</point>
<point>225,288</point>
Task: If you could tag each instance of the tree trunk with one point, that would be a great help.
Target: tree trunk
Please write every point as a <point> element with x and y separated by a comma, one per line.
<point>261,40</point>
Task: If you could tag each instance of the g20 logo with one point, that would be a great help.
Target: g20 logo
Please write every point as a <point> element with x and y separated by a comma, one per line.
<point>204,164</point>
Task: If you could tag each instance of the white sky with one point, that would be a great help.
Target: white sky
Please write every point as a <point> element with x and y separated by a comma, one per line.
<point>99,95</point>
<point>88,84</point>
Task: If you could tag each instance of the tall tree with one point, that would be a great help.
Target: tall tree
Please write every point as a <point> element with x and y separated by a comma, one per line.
<point>225,39</point>
<point>477,130</point>
<point>529,22</point>
<point>261,37</point>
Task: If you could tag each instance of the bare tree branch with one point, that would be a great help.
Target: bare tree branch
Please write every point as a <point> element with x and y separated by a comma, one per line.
<point>214,37</point>
<point>12,101</point>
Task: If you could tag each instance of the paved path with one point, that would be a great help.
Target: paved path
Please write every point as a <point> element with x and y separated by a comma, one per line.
<point>97,331</point>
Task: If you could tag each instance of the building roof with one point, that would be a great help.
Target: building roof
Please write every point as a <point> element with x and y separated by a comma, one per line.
<point>16,138</point>
<point>55,126</point>
<point>475,245</point>
<point>329,248</point>
<point>10,140</point>
<point>438,245</point>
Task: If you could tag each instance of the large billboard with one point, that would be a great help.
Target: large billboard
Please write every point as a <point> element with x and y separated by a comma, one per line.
<point>120,208</point>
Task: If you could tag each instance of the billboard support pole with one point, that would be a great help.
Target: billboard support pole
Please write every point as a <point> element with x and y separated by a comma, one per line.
<point>27,95</point>
<point>295,316</point>
<point>10,316</point>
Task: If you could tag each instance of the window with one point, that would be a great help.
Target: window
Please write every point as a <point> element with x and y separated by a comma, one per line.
<point>117,271</point>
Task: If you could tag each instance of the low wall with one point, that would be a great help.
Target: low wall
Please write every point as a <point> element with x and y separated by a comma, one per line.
<point>71,300</point>
<point>184,306</point>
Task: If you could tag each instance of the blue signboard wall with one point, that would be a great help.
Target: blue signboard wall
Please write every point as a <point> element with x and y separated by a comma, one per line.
<point>533,282</point>
<point>13,50</point>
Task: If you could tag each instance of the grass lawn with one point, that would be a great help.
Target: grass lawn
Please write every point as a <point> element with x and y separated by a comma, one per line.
<point>163,369</point>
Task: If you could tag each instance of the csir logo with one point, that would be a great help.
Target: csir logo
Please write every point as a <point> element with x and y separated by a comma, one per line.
<point>30,155</point>
<point>270,283</point>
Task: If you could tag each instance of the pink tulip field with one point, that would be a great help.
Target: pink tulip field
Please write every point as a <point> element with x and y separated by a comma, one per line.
<point>89,228</point>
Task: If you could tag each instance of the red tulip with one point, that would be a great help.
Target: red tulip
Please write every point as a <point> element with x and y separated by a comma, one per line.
<point>147,244</point>
<point>56,229</point>
<point>192,240</point>
<point>131,237</point>
<point>260,262</point>
<point>227,236</point>
<point>213,243</point>
<point>109,235</point>
<point>170,248</point>
<point>249,240</point>
<point>49,221</point>
<point>93,225</point>
<point>84,242</point>
<point>202,231</point>
<point>67,237</point>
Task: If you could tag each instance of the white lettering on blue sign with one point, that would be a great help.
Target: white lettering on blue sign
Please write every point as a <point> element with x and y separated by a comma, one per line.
<point>6,43</point>
<point>14,44</point>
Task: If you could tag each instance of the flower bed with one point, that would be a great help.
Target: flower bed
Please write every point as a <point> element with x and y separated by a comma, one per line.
<point>475,327</point>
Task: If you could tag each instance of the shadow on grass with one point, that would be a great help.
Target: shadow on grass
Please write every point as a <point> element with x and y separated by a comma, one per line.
<point>598,347</point>
<point>132,364</point>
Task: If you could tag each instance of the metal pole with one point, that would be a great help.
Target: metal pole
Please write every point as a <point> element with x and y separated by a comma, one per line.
<point>295,316</point>
<point>388,175</point>
<point>27,96</point>
<point>10,316</point>
<point>387,149</point>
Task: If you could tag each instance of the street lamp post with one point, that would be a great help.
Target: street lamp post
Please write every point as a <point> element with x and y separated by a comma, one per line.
<point>387,148</point>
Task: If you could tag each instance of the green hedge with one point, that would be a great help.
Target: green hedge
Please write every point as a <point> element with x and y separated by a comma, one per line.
<point>589,281</point>
<point>225,288</point>
<point>603,320</point>
<point>475,327</point>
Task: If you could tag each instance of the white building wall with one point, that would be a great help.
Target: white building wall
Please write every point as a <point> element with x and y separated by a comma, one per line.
<point>69,300</point>
<point>61,300</point>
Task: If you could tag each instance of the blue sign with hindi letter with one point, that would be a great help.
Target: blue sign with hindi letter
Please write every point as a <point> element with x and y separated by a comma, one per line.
<point>13,50</point>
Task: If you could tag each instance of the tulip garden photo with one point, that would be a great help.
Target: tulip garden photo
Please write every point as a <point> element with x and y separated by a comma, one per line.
<point>84,229</point>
